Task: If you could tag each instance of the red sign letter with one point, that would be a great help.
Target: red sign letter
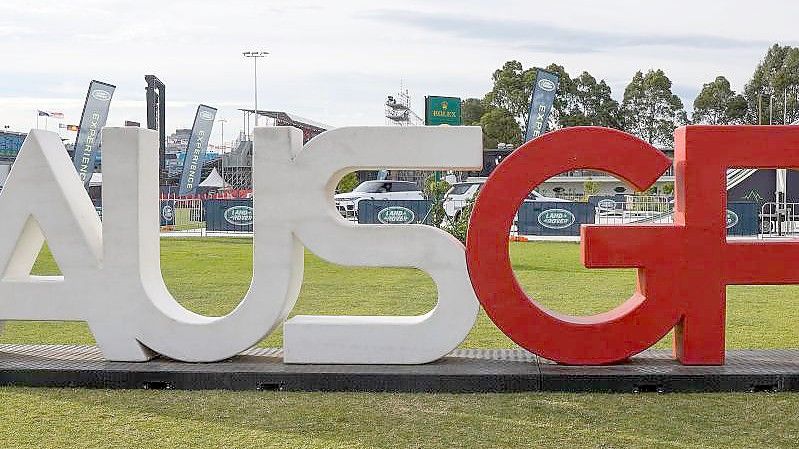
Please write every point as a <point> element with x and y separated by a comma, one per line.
<point>683,270</point>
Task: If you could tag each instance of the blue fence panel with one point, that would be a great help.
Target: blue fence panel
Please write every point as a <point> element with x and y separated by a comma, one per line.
<point>229,215</point>
<point>742,218</point>
<point>394,211</point>
<point>554,218</point>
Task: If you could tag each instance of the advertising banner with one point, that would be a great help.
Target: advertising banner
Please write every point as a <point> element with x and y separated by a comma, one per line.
<point>742,218</point>
<point>195,150</point>
<point>229,215</point>
<point>554,218</point>
<point>394,211</point>
<point>167,213</point>
<point>544,90</point>
<point>92,120</point>
<point>442,111</point>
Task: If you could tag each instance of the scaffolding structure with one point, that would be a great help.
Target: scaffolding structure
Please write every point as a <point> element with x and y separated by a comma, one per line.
<point>398,112</point>
<point>398,109</point>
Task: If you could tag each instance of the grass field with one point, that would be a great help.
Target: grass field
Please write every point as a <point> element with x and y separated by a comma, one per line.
<point>218,275</point>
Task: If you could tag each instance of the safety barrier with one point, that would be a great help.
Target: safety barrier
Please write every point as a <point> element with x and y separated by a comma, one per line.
<point>229,215</point>
<point>553,218</point>
<point>779,219</point>
<point>534,218</point>
<point>394,211</point>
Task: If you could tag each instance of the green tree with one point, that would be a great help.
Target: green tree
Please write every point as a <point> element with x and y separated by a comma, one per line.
<point>578,101</point>
<point>511,90</point>
<point>564,102</point>
<point>499,126</point>
<point>718,104</point>
<point>650,110</point>
<point>772,92</point>
<point>460,224</point>
<point>589,104</point>
<point>434,191</point>
<point>347,183</point>
<point>472,109</point>
<point>513,87</point>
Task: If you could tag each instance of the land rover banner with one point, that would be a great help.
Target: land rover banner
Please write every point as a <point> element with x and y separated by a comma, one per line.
<point>544,89</point>
<point>195,151</point>
<point>95,113</point>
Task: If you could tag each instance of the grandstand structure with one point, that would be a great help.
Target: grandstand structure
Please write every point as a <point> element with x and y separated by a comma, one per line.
<point>10,143</point>
<point>235,166</point>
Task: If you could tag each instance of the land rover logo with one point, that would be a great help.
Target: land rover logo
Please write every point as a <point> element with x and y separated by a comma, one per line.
<point>102,95</point>
<point>239,215</point>
<point>395,215</point>
<point>556,218</point>
<point>732,219</point>
<point>606,204</point>
<point>167,212</point>
<point>546,85</point>
<point>206,115</point>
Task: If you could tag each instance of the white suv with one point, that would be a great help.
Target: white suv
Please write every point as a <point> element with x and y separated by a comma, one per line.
<point>347,203</point>
<point>460,193</point>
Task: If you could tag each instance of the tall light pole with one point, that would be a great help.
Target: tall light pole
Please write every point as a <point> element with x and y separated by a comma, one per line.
<point>222,124</point>
<point>222,160</point>
<point>255,55</point>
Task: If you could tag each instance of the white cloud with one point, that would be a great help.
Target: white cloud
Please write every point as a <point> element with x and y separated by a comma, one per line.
<point>336,61</point>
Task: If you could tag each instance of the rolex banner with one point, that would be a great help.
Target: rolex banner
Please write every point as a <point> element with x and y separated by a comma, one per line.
<point>544,89</point>
<point>442,111</point>
<point>95,113</point>
<point>195,151</point>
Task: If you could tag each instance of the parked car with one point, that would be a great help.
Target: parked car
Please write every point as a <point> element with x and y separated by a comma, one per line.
<point>536,197</point>
<point>347,203</point>
<point>461,193</point>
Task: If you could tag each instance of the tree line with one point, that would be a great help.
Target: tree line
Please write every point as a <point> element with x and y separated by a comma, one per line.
<point>649,109</point>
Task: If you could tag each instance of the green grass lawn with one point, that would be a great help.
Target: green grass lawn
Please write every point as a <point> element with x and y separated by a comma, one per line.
<point>217,278</point>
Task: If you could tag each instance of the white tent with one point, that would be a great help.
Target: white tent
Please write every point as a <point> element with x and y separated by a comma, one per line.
<point>213,181</point>
<point>96,180</point>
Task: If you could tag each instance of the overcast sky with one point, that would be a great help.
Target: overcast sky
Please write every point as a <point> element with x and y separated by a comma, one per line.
<point>335,61</point>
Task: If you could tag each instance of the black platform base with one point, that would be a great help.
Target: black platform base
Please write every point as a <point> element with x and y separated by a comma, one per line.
<point>467,370</point>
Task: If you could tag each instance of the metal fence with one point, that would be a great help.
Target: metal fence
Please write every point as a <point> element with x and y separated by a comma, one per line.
<point>779,219</point>
<point>189,215</point>
<point>635,209</point>
<point>741,216</point>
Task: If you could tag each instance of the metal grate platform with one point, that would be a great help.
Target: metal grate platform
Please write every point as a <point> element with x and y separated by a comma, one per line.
<point>464,370</point>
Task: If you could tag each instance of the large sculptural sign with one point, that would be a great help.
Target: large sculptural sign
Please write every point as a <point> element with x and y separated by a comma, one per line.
<point>111,274</point>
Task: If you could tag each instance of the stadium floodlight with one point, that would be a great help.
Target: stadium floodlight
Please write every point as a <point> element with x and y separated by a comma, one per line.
<point>255,55</point>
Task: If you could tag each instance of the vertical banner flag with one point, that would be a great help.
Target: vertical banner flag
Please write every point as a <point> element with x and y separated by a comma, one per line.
<point>544,89</point>
<point>195,151</point>
<point>92,120</point>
